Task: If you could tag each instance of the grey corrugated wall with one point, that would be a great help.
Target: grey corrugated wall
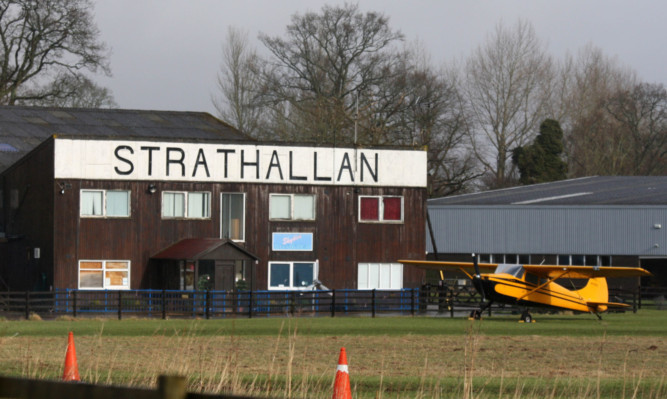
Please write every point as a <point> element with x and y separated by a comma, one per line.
<point>595,230</point>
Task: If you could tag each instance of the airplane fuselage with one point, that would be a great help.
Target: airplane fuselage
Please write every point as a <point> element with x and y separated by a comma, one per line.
<point>509,289</point>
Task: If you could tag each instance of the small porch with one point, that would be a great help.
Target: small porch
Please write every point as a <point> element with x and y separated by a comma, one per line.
<point>205,264</point>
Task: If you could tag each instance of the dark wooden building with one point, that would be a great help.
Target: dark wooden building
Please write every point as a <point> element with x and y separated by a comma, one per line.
<point>118,199</point>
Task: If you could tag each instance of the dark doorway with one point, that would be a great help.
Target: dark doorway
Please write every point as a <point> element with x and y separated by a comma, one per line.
<point>224,275</point>
<point>657,266</point>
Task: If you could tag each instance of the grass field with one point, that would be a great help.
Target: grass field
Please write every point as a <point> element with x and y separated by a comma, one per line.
<point>559,356</point>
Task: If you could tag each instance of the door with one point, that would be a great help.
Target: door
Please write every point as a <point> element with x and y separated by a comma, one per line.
<point>224,275</point>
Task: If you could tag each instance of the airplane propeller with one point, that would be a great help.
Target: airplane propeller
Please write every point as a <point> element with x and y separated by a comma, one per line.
<point>477,278</point>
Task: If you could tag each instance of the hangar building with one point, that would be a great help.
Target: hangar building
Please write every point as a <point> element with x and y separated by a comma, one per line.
<point>129,199</point>
<point>597,221</point>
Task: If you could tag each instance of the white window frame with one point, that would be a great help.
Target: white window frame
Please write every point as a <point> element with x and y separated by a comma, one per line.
<point>381,209</point>
<point>104,203</point>
<point>186,210</point>
<point>222,214</point>
<point>104,270</point>
<point>392,272</point>
<point>291,286</point>
<point>291,210</point>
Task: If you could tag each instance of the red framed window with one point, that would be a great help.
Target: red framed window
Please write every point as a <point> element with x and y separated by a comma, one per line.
<point>381,209</point>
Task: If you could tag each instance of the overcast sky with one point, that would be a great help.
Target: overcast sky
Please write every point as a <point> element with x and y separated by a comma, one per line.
<point>166,53</point>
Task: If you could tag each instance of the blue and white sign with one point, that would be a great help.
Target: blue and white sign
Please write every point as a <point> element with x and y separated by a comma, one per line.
<point>292,241</point>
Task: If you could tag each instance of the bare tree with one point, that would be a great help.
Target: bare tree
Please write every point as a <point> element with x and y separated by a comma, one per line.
<point>45,46</point>
<point>327,66</point>
<point>507,85</point>
<point>78,92</point>
<point>238,84</point>
<point>427,110</point>
<point>594,142</point>
<point>642,115</point>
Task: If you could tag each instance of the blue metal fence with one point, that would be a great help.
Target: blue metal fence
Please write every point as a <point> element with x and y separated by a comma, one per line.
<point>221,304</point>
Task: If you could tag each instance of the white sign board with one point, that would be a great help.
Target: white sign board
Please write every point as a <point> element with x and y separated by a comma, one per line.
<point>206,162</point>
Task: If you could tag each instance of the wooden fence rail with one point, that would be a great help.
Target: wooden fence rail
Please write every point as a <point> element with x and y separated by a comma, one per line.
<point>168,387</point>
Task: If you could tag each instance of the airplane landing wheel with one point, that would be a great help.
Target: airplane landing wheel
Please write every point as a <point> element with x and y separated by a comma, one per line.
<point>526,317</point>
<point>476,314</point>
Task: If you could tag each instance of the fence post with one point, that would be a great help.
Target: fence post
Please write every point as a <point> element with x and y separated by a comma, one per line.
<point>412,301</point>
<point>164,304</point>
<point>373,303</point>
<point>120,305</point>
<point>207,303</point>
<point>27,305</point>
<point>333,303</point>
<point>74,302</point>
<point>293,303</point>
<point>171,387</point>
<point>250,304</point>
<point>639,297</point>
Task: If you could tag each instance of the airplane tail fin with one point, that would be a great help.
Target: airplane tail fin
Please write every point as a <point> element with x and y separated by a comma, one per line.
<point>596,294</point>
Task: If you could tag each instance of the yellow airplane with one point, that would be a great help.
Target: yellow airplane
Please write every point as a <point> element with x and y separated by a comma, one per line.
<point>535,285</point>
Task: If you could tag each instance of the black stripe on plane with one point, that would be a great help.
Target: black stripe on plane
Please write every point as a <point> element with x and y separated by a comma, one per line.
<point>510,283</point>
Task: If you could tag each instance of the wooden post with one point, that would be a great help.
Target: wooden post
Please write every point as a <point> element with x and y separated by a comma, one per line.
<point>171,387</point>
<point>250,304</point>
<point>120,305</point>
<point>333,303</point>
<point>412,301</point>
<point>373,303</point>
<point>27,305</point>
<point>74,302</point>
<point>207,302</point>
<point>164,304</point>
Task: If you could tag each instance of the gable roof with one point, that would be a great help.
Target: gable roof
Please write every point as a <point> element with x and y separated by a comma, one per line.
<point>24,128</point>
<point>596,190</point>
<point>204,248</point>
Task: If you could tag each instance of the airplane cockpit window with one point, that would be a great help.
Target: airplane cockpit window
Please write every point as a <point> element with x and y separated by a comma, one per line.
<point>512,269</point>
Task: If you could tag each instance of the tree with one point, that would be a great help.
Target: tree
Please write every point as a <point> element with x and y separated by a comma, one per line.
<point>642,115</point>
<point>542,161</point>
<point>507,86</point>
<point>45,47</point>
<point>594,143</point>
<point>428,112</point>
<point>79,92</point>
<point>336,78</point>
<point>238,82</point>
<point>328,65</point>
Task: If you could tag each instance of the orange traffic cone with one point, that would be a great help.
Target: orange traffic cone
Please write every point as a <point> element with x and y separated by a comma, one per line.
<point>342,384</point>
<point>71,372</point>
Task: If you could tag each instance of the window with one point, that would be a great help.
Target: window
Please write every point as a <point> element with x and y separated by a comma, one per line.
<point>291,275</point>
<point>104,274</point>
<point>232,215</point>
<point>292,207</point>
<point>584,260</point>
<point>381,209</point>
<point>193,205</point>
<point>109,203</point>
<point>383,276</point>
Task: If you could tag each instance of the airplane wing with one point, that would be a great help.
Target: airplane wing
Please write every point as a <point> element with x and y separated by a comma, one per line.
<point>466,267</point>
<point>556,272</point>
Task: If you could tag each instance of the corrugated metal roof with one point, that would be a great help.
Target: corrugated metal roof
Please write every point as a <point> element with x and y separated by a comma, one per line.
<point>196,248</point>
<point>23,128</point>
<point>597,190</point>
<point>529,229</point>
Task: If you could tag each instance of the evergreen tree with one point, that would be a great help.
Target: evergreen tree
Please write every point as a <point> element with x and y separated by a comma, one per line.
<point>542,161</point>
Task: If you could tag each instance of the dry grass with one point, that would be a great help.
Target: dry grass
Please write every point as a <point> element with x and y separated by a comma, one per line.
<point>472,365</point>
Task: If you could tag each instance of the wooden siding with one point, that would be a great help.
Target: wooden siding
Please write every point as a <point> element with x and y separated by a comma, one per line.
<point>28,191</point>
<point>340,241</point>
